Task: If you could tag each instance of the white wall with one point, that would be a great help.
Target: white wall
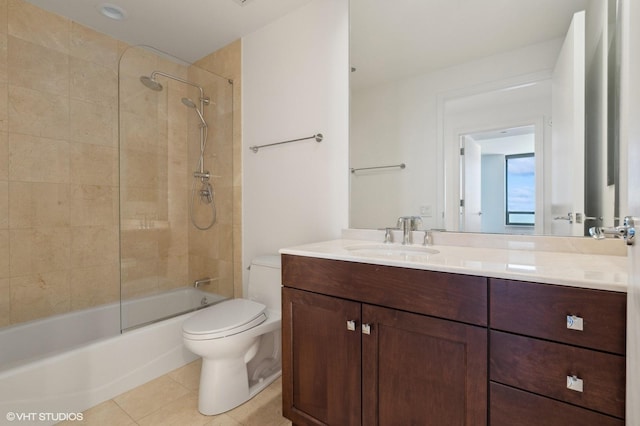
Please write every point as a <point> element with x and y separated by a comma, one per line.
<point>630,147</point>
<point>599,197</point>
<point>295,76</point>
<point>398,122</point>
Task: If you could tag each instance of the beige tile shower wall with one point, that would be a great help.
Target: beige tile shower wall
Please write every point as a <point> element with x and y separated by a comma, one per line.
<point>58,165</point>
<point>227,62</point>
<point>211,250</point>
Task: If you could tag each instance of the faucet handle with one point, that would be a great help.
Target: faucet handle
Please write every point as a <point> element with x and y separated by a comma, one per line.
<point>428,237</point>
<point>388,235</point>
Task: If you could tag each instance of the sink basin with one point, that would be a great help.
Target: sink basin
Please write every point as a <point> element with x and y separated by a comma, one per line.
<point>392,251</point>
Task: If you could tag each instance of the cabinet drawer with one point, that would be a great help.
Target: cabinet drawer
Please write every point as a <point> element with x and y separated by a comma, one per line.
<point>450,296</point>
<point>543,367</point>
<point>511,406</point>
<point>541,310</point>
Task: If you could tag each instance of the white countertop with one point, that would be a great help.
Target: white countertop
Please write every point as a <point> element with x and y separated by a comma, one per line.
<point>595,271</point>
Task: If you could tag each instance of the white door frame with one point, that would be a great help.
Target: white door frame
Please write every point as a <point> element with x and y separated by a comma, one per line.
<point>452,167</point>
<point>448,156</point>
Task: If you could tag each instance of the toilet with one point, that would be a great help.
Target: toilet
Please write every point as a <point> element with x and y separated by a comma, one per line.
<point>239,341</point>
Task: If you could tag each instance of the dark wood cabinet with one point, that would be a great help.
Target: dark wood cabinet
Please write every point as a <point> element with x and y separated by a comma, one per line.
<point>511,407</point>
<point>541,310</point>
<point>450,296</point>
<point>420,370</point>
<point>367,344</point>
<point>346,362</point>
<point>321,368</point>
<point>543,367</point>
<point>539,358</point>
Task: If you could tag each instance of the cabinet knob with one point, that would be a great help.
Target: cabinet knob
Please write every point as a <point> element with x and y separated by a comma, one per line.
<point>575,323</point>
<point>575,384</point>
<point>351,325</point>
<point>366,328</point>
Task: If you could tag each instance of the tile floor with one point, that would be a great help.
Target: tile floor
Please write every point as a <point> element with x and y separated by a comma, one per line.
<point>172,399</point>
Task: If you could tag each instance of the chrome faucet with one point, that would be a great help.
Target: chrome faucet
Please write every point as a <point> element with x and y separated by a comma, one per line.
<point>406,225</point>
<point>626,231</point>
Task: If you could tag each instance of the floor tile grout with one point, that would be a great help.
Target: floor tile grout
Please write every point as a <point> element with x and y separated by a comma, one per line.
<point>173,398</point>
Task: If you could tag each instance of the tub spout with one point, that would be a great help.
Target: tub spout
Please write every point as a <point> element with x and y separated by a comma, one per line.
<point>202,281</point>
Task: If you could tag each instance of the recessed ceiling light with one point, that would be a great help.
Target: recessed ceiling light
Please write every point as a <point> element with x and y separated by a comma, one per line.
<point>242,2</point>
<point>112,11</point>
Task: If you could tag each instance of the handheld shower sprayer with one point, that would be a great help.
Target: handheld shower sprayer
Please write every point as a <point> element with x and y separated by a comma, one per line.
<point>189,103</point>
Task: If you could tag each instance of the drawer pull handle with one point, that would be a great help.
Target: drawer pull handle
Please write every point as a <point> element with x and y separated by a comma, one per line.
<point>575,384</point>
<point>575,323</point>
<point>351,325</point>
<point>366,328</point>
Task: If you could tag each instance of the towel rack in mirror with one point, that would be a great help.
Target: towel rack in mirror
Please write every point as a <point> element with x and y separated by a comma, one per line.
<point>400,166</point>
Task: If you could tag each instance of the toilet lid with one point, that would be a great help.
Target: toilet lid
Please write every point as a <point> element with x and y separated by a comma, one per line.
<point>225,318</point>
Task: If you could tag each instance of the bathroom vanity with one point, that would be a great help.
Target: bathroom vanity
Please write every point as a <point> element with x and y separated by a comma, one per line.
<point>401,336</point>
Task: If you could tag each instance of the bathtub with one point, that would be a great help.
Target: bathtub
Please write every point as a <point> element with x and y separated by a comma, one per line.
<point>74,375</point>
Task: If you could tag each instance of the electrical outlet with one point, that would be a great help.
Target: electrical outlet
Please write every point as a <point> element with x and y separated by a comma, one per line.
<point>426,210</point>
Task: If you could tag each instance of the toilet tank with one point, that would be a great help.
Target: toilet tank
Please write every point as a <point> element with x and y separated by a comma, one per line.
<point>265,281</point>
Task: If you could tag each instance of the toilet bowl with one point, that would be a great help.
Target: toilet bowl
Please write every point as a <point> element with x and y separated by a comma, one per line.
<point>239,341</point>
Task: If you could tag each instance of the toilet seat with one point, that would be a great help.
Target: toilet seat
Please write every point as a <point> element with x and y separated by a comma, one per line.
<point>224,319</point>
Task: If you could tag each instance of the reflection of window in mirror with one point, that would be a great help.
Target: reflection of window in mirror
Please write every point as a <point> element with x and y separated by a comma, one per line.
<point>520,180</point>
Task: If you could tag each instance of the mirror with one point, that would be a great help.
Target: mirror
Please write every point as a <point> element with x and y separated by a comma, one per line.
<point>447,96</point>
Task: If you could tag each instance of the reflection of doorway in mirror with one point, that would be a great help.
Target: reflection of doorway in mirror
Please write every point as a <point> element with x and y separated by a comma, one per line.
<point>498,180</point>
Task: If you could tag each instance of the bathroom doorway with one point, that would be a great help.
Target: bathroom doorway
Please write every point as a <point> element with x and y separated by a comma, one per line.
<point>498,180</point>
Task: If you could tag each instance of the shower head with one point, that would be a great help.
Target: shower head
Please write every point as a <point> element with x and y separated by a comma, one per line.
<point>188,102</point>
<point>151,83</point>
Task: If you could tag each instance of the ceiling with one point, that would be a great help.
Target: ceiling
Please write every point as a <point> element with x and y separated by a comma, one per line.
<point>389,39</point>
<point>186,29</point>
<point>400,38</point>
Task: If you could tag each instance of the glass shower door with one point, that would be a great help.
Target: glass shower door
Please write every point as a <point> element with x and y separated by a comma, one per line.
<point>176,145</point>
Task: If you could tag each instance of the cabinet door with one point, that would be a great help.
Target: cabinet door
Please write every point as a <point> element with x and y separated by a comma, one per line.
<point>419,370</point>
<point>320,359</point>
